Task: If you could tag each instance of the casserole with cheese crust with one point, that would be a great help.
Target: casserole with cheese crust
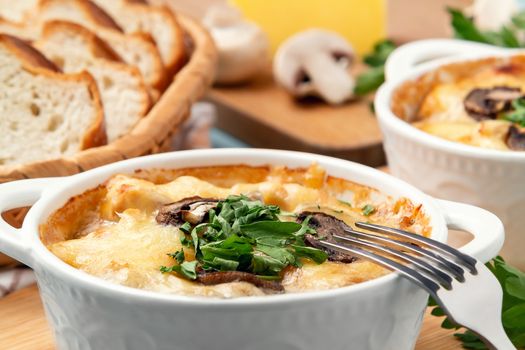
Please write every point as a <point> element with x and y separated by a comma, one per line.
<point>112,232</point>
<point>478,103</point>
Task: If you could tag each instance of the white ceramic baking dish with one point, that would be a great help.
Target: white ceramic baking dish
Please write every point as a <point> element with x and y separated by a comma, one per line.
<point>490,179</point>
<point>88,313</point>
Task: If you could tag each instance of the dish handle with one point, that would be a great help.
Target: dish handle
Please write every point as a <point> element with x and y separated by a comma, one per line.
<point>407,57</point>
<point>14,242</point>
<point>486,228</point>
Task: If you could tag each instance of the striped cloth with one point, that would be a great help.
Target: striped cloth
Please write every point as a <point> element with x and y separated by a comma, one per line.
<point>12,279</point>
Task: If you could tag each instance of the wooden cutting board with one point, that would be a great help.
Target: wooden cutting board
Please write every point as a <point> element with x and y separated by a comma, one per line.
<point>263,114</point>
<point>23,326</point>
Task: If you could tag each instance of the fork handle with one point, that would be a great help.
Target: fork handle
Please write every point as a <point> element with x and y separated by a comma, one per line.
<point>486,228</point>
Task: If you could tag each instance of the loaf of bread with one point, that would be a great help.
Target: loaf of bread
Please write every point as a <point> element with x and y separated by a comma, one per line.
<point>45,114</point>
<point>74,48</point>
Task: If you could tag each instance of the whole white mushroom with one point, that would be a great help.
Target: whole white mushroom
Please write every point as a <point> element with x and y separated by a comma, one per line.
<point>242,46</point>
<point>316,62</point>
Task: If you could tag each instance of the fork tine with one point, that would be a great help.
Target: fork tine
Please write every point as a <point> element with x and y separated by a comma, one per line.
<point>449,266</point>
<point>465,260</point>
<point>424,282</point>
<point>444,279</point>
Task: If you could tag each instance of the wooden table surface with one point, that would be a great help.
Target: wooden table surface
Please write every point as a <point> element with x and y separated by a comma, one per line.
<point>263,114</point>
<point>23,326</point>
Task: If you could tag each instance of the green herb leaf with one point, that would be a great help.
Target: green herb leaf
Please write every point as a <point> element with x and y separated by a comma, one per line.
<point>270,228</point>
<point>187,269</point>
<point>508,37</point>
<point>368,209</point>
<point>512,281</point>
<point>370,80</point>
<point>278,253</point>
<point>225,264</point>
<point>314,254</point>
<point>345,202</point>
<point>378,56</point>
<point>516,286</point>
<point>266,265</point>
<point>514,317</point>
<point>464,27</point>
<point>186,242</point>
<point>186,227</point>
<point>178,256</point>
<point>519,20</point>
<point>243,234</point>
<point>518,114</point>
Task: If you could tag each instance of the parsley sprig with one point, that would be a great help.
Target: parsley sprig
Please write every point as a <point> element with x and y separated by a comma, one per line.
<point>372,78</point>
<point>512,281</point>
<point>507,36</point>
<point>242,234</point>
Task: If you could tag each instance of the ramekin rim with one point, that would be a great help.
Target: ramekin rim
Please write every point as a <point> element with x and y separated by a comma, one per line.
<point>384,113</point>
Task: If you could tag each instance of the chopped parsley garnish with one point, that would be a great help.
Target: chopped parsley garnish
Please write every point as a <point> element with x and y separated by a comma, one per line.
<point>368,209</point>
<point>186,242</point>
<point>187,269</point>
<point>517,115</point>
<point>345,202</point>
<point>242,234</point>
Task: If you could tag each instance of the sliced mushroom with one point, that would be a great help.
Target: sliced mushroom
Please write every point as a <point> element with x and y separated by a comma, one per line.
<point>516,139</point>
<point>191,209</point>
<point>326,226</point>
<point>212,278</point>
<point>483,104</point>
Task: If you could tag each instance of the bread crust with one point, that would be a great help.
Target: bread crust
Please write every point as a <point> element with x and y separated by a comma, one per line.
<point>95,13</point>
<point>177,52</point>
<point>99,47</point>
<point>29,56</point>
<point>36,63</point>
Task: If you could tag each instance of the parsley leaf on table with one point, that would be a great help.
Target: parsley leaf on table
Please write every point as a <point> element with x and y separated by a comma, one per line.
<point>512,281</point>
<point>507,36</point>
<point>372,78</point>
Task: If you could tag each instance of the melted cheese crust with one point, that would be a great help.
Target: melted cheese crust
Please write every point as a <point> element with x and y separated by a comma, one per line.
<point>442,113</point>
<point>122,243</point>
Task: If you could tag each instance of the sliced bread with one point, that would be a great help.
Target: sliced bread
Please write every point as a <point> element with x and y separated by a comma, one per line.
<point>158,21</point>
<point>136,49</point>
<point>44,114</point>
<point>17,10</point>
<point>124,95</point>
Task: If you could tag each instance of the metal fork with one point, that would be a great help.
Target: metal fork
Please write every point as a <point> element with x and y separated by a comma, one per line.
<point>463,287</point>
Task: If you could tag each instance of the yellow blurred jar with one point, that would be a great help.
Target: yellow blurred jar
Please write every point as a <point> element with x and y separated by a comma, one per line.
<point>361,22</point>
